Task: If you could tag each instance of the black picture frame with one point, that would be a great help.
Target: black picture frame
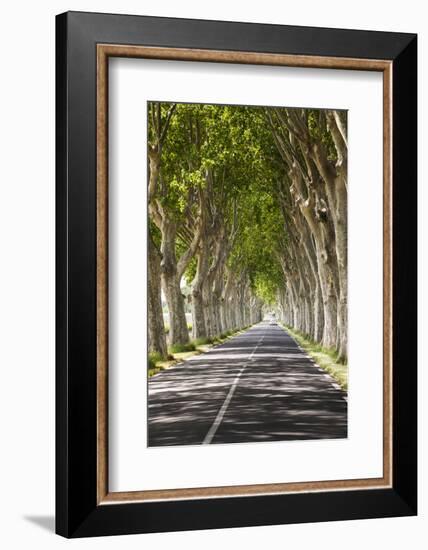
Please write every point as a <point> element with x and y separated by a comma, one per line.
<point>77,512</point>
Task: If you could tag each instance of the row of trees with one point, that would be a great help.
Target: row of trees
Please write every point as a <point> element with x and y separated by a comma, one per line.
<point>248,205</point>
<point>313,197</point>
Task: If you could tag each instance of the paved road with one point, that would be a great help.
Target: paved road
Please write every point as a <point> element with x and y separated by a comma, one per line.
<point>257,386</point>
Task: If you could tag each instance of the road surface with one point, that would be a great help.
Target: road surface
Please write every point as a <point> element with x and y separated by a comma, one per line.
<point>257,386</point>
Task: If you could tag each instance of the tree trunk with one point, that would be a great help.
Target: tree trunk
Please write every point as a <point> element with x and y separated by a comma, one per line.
<point>178,333</point>
<point>199,326</point>
<point>207,305</point>
<point>157,339</point>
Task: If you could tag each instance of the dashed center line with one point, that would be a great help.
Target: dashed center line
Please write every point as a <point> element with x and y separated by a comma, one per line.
<point>220,415</point>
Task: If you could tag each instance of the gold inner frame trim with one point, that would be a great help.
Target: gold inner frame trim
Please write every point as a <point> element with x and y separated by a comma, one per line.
<point>104,51</point>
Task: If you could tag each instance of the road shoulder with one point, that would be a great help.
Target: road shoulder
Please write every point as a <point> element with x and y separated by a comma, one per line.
<point>321,357</point>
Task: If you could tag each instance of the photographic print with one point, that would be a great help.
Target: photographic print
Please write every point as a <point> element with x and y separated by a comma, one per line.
<point>247,274</point>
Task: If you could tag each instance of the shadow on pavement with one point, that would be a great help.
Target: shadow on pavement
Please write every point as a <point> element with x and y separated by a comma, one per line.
<point>280,395</point>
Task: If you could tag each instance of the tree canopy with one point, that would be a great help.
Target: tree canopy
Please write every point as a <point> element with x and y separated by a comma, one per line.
<point>249,206</point>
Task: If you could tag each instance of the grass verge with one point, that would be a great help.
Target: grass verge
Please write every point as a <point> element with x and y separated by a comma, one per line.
<point>324,357</point>
<point>180,348</point>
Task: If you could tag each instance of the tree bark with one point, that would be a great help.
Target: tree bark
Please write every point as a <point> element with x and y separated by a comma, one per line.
<point>157,339</point>
<point>199,329</point>
<point>178,333</point>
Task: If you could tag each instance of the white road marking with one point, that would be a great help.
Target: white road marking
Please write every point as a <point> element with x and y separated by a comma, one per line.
<point>220,415</point>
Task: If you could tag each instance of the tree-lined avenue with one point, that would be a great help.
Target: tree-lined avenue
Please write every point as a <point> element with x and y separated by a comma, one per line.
<point>248,208</point>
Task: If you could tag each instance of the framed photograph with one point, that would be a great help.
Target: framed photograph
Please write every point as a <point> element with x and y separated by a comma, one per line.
<point>236,274</point>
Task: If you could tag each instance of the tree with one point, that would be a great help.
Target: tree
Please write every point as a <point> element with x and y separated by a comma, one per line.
<point>156,328</point>
<point>250,204</point>
<point>173,203</point>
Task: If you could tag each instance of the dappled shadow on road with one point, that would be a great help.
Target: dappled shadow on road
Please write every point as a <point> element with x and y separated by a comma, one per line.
<point>181,412</point>
<point>297,404</point>
<point>281,395</point>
